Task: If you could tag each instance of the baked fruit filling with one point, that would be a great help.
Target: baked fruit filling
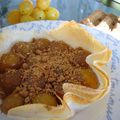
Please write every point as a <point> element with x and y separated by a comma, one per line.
<point>34,72</point>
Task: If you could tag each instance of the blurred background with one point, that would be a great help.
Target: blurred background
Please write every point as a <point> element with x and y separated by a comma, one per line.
<point>69,9</point>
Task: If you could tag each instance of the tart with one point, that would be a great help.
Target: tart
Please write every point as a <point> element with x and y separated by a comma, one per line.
<point>50,76</point>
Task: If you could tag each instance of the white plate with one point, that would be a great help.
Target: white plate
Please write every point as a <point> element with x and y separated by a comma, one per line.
<point>107,108</point>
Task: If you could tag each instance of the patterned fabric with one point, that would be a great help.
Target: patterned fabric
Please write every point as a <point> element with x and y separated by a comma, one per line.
<point>69,9</point>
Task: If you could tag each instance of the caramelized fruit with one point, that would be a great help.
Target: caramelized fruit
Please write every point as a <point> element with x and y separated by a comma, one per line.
<point>12,101</point>
<point>45,99</point>
<point>9,60</point>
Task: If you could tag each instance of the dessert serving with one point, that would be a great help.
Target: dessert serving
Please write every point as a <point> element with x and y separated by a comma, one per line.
<point>53,74</point>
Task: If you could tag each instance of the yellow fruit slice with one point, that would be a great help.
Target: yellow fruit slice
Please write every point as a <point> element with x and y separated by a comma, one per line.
<point>43,4</point>
<point>26,18</point>
<point>13,16</point>
<point>38,14</point>
<point>26,8</point>
<point>45,99</point>
<point>52,13</point>
<point>90,79</point>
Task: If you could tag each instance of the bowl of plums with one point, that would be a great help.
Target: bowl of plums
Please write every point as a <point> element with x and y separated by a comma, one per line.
<point>26,11</point>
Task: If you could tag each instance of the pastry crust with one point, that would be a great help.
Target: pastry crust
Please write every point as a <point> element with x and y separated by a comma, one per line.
<point>76,97</point>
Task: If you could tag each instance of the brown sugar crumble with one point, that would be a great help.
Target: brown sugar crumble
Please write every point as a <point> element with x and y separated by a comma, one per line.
<point>45,67</point>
